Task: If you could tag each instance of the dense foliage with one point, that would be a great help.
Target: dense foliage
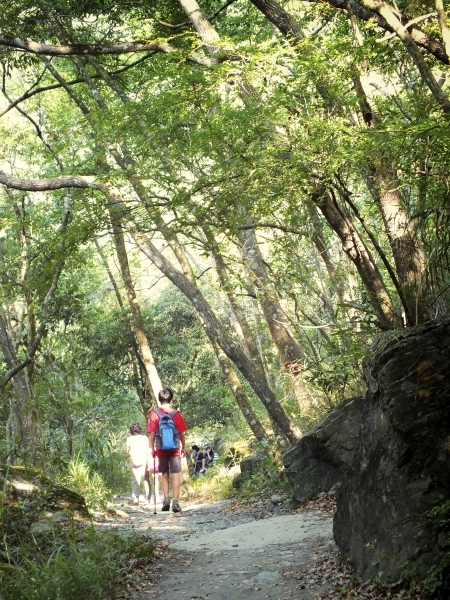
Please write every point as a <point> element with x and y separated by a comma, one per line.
<point>284,169</point>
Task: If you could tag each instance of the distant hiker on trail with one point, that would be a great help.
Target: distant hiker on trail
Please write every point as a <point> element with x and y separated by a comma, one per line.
<point>139,453</point>
<point>199,460</point>
<point>166,427</point>
<point>209,455</point>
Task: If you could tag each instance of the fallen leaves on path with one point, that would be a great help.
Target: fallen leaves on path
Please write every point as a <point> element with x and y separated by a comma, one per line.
<point>341,582</point>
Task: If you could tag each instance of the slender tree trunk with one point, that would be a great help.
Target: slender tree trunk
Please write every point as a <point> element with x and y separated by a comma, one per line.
<point>443,25</point>
<point>243,328</point>
<point>141,336</point>
<point>23,435</point>
<point>227,369</point>
<point>240,396</point>
<point>407,252</point>
<point>140,384</point>
<point>289,348</point>
<point>354,247</point>
<point>208,34</point>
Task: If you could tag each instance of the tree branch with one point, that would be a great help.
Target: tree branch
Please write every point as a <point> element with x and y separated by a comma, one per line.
<point>52,183</point>
<point>33,91</point>
<point>98,49</point>
<point>421,38</point>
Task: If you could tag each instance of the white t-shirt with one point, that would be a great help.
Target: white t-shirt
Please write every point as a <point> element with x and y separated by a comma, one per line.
<point>138,449</point>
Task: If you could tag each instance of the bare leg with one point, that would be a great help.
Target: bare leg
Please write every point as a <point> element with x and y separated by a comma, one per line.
<point>176,481</point>
<point>165,484</point>
<point>136,481</point>
<point>147,488</point>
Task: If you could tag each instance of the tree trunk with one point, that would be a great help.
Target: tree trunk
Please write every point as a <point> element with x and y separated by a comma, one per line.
<point>140,383</point>
<point>241,397</point>
<point>23,435</point>
<point>227,369</point>
<point>216,332</point>
<point>289,348</point>
<point>242,329</point>
<point>208,34</point>
<point>408,255</point>
<point>144,347</point>
<point>354,247</point>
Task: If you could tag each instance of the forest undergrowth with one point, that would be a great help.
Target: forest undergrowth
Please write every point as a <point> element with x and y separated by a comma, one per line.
<point>55,562</point>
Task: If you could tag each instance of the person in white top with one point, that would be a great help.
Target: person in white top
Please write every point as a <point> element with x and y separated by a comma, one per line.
<point>138,450</point>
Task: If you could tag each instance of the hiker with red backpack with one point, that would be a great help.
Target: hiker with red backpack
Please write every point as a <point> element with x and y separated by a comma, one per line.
<point>166,427</point>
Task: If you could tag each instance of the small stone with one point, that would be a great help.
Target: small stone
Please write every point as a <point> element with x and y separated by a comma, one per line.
<point>60,517</point>
<point>41,527</point>
<point>266,577</point>
<point>276,499</point>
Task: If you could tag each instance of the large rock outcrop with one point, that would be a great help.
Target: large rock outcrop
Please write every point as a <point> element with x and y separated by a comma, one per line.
<point>388,455</point>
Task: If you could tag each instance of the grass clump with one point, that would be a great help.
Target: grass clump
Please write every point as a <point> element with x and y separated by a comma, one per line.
<point>69,564</point>
<point>86,482</point>
<point>216,484</point>
<point>266,481</point>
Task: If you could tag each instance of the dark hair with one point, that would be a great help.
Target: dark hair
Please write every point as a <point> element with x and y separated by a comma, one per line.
<point>135,429</point>
<point>196,448</point>
<point>165,395</point>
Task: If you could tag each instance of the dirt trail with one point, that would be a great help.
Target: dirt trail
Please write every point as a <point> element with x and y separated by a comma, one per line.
<point>221,552</point>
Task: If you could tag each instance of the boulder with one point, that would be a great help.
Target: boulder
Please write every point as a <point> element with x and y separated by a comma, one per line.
<point>252,465</point>
<point>325,454</point>
<point>38,495</point>
<point>249,466</point>
<point>387,455</point>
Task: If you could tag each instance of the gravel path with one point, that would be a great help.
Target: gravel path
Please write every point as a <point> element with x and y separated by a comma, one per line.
<point>223,552</point>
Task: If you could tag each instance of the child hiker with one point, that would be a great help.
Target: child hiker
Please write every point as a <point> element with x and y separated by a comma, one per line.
<point>139,453</point>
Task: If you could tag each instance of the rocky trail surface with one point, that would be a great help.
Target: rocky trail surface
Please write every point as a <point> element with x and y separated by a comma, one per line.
<point>224,552</point>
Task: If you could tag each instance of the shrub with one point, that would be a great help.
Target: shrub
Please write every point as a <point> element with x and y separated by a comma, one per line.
<point>88,483</point>
<point>64,568</point>
<point>217,484</point>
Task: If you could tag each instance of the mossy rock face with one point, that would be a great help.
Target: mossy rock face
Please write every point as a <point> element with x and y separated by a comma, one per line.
<point>36,496</point>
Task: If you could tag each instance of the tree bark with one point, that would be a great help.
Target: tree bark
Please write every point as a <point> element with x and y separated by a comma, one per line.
<point>203,27</point>
<point>240,396</point>
<point>141,384</point>
<point>242,329</point>
<point>44,49</point>
<point>407,252</point>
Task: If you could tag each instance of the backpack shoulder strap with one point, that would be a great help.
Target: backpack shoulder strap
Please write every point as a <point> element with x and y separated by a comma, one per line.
<point>173,412</point>
<point>159,412</point>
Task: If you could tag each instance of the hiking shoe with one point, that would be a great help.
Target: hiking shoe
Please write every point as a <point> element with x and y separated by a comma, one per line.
<point>175,506</point>
<point>136,502</point>
<point>166,505</point>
